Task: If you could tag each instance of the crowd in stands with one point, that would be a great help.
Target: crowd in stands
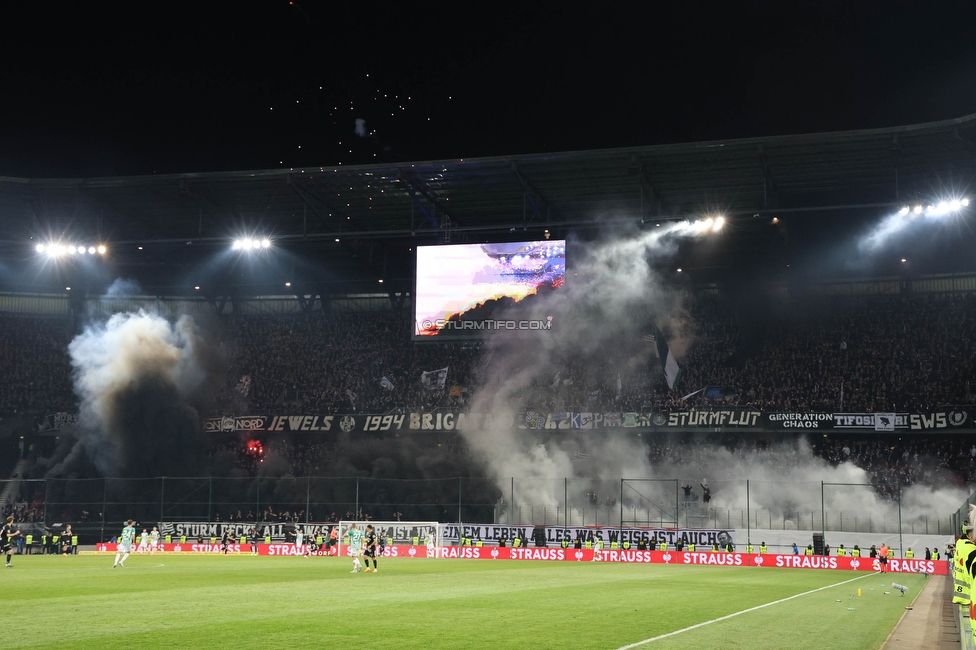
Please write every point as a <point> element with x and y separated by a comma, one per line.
<point>24,512</point>
<point>36,373</point>
<point>319,365</point>
<point>859,355</point>
<point>882,353</point>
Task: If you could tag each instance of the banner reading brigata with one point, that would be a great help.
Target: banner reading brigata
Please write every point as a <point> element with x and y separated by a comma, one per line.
<point>715,419</point>
<point>895,565</point>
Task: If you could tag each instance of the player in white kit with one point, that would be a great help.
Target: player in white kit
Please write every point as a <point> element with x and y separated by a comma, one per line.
<point>154,540</point>
<point>125,544</point>
<point>143,541</point>
<point>355,547</point>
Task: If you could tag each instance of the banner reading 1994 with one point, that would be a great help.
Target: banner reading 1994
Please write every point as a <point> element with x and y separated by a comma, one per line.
<point>736,418</point>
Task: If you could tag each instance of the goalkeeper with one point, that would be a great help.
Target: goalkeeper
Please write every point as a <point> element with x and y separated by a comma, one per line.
<point>355,547</point>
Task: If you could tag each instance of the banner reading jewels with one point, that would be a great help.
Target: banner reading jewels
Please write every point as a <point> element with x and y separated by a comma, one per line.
<point>719,420</point>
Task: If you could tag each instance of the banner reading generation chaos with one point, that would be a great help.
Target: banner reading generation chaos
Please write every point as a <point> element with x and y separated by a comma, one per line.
<point>724,419</point>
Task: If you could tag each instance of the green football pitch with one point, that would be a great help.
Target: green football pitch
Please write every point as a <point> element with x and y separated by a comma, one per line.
<point>198,601</point>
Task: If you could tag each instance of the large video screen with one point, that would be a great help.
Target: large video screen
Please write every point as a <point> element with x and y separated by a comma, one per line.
<point>463,288</point>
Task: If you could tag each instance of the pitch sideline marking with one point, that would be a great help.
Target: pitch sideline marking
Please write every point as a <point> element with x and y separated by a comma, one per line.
<point>734,614</point>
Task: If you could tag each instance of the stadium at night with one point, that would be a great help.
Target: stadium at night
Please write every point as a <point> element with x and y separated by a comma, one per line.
<point>557,398</point>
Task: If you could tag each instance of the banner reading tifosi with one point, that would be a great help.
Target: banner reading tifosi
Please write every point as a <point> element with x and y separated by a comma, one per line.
<point>847,563</point>
<point>739,418</point>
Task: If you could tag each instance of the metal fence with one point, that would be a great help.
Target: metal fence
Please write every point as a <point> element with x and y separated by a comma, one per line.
<point>94,506</point>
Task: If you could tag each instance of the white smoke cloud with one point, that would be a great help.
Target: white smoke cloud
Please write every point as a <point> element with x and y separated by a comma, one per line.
<point>135,375</point>
<point>360,127</point>
<point>609,295</point>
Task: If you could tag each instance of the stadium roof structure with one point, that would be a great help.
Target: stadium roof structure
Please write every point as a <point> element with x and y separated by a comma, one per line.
<point>378,211</point>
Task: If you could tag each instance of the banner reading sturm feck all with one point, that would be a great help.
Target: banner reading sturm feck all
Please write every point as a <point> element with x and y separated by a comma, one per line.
<point>278,532</point>
<point>487,533</point>
<point>725,419</point>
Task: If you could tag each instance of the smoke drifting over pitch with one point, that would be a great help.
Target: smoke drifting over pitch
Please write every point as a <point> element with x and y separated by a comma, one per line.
<point>613,289</point>
<point>611,293</point>
<point>138,377</point>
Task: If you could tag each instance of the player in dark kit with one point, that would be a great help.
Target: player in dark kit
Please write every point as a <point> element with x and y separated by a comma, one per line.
<point>371,547</point>
<point>227,540</point>
<point>8,535</point>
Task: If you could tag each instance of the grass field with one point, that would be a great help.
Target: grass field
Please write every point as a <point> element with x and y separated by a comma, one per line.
<point>197,601</point>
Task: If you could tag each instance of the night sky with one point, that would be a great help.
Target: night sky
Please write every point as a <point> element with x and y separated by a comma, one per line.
<point>142,89</point>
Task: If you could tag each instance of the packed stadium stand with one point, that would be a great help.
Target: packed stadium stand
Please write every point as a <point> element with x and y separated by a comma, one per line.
<point>891,353</point>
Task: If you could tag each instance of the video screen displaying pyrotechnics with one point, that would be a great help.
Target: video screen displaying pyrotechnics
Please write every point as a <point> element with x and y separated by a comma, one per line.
<point>465,289</point>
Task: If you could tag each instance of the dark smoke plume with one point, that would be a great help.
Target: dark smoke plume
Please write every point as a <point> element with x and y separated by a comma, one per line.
<point>139,377</point>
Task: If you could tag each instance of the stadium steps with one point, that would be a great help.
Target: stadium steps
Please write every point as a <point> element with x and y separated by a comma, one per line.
<point>10,489</point>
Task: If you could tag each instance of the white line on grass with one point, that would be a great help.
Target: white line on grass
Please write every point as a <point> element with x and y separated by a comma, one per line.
<point>733,615</point>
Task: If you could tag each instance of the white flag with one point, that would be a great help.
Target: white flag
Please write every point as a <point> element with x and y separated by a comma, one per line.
<point>672,373</point>
<point>434,379</point>
<point>692,394</point>
<point>386,383</point>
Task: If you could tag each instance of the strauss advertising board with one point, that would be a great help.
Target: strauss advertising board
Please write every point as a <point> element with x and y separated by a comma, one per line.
<point>769,561</point>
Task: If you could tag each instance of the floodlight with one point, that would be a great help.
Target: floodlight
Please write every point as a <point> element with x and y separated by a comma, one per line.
<point>102,250</point>
<point>719,223</point>
<point>39,248</point>
<point>965,203</point>
<point>265,243</point>
<point>918,209</point>
<point>237,244</point>
<point>904,210</point>
<point>71,249</point>
<point>91,250</point>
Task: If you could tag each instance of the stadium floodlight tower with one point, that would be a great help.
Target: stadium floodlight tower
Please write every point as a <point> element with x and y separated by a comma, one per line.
<point>247,244</point>
<point>58,249</point>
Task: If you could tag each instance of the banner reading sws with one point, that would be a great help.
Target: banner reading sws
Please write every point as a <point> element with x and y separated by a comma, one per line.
<point>725,419</point>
